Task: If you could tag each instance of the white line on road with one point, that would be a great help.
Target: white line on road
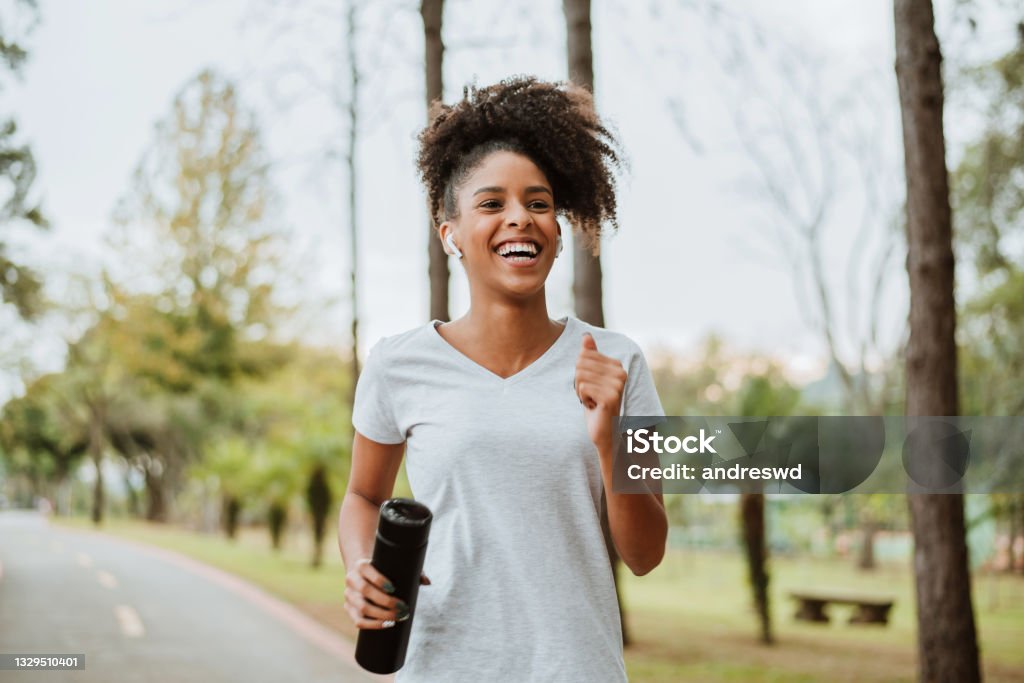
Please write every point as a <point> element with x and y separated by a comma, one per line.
<point>106,578</point>
<point>84,560</point>
<point>128,618</point>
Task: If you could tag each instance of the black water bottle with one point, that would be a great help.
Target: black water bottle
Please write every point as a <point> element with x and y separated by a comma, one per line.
<point>398,554</point>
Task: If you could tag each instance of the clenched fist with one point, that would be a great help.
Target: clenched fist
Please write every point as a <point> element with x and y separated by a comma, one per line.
<point>600,381</point>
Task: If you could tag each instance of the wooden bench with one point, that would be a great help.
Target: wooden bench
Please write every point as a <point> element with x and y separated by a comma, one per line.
<point>869,609</point>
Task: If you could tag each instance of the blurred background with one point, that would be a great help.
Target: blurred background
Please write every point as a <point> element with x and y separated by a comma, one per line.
<point>210,214</point>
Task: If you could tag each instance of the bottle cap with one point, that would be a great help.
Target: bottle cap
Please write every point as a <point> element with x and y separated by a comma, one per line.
<point>404,522</point>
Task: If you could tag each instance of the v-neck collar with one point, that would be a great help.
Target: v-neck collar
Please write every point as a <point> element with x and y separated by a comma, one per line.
<point>543,359</point>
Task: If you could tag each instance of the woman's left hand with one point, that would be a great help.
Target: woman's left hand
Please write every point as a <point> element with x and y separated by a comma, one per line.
<point>600,381</point>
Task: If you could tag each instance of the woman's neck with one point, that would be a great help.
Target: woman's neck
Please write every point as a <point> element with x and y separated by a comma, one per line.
<point>505,336</point>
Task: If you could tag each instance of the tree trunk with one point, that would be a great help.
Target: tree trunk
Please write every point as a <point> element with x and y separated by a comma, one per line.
<point>232,509</point>
<point>1020,527</point>
<point>96,420</point>
<point>277,518</point>
<point>867,547</point>
<point>319,498</point>
<point>752,523</point>
<point>1011,560</point>
<point>432,12</point>
<point>586,268</point>
<point>156,509</point>
<point>133,495</point>
<point>350,165</point>
<point>947,639</point>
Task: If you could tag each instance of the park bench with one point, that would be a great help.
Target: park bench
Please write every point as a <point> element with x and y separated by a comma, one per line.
<point>869,609</point>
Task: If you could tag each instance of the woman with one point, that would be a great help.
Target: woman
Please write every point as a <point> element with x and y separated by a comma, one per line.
<point>507,416</point>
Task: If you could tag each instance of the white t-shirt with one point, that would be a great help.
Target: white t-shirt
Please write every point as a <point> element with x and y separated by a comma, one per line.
<point>521,585</point>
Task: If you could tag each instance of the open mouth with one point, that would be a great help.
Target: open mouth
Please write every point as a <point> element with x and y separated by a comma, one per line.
<point>519,251</point>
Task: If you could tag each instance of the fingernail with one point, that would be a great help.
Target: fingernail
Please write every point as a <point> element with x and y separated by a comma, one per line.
<point>401,606</point>
<point>388,586</point>
<point>403,611</point>
<point>387,623</point>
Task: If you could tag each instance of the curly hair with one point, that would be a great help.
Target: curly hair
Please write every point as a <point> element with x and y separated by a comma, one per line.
<point>555,125</point>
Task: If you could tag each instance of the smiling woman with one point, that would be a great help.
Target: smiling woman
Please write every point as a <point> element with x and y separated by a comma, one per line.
<point>504,415</point>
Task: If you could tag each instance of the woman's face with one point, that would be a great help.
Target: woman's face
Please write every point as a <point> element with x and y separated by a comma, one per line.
<point>506,227</point>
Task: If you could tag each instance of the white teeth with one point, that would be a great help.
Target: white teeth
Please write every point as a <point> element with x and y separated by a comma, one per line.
<point>509,247</point>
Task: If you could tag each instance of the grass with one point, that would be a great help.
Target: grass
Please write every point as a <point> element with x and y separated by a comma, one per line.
<point>690,618</point>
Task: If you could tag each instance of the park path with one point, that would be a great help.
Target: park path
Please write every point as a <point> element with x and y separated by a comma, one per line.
<point>143,614</point>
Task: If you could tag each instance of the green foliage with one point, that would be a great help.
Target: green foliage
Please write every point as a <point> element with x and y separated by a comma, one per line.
<point>988,197</point>
<point>37,435</point>
<point>202,193</point>
<point>19,285</point>
<point>716,381</point>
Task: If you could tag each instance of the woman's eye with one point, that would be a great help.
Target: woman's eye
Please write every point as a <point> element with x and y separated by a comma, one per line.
<point>538,205</point>
<point>491,204</point>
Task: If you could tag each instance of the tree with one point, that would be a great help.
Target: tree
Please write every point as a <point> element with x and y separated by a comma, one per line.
<point>319,498</point>
<point>352,112</point>
<point>203,197</point>
<point>321,24</point>
<point>586,265</point>
<point>432,12</point>
<point>19,285</point>
<point>586,288</point>
<point>203,311</point>
<point>39,440</point>
<point>989,212</point>
<point>947,639</point>
<point>761,394</point>
<point>720,382</point>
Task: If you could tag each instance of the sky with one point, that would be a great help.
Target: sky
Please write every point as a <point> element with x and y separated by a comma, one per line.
<point>700,249</point>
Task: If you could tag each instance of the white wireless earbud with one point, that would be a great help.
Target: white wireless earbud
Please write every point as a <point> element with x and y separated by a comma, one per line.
<point>558,248</point>
<point>451,245</point>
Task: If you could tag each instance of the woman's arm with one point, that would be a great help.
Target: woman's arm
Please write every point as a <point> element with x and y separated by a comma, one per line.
<point>370,483</point>
<point>638,523</point>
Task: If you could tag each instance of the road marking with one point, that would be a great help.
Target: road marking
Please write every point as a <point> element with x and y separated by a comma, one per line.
<point>128,618</point>
<point>84,560</point>
<point>313,631</point>
<point>106,578</point>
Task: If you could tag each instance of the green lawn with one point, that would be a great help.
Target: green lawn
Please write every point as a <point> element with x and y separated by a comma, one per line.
<point>690,618</point>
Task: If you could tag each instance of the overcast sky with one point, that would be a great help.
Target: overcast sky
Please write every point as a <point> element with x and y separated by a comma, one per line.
<point>695,253</point>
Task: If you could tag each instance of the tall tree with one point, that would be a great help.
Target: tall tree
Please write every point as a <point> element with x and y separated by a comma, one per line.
<point>989,213</point>
<point>19,284</point>
<point>432,12</point>
<point>319,498</point>
<point>352,113</point>
<point>200,216</point>
<point>586,265</point>
<point>947,639</point>
<point>586,288</point>
<point>40,441</point>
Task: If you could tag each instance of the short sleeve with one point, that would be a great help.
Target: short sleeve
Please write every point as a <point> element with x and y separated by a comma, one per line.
<point>373,413</point>
<point>641,396</point>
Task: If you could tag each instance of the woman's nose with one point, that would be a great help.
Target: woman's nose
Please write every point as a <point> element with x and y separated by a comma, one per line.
<point>517,215</point>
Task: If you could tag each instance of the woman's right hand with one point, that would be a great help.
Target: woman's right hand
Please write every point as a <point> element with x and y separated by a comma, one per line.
<point>368,598</point>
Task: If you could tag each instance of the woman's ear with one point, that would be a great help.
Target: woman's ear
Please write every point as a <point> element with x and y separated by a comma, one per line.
<point>442,234</point>
<point>444,231</point>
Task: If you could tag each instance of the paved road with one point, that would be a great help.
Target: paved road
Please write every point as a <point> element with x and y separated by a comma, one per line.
<point>147,615</point>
